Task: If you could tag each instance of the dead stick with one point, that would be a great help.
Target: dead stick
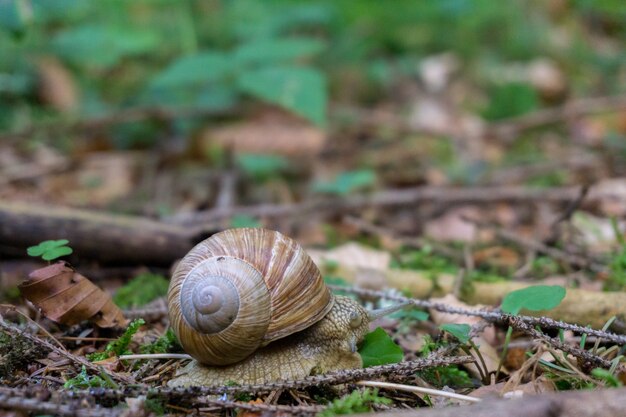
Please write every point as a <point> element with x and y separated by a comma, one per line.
<point>101,236</point>
<point>388,198</point>
<point>512,127</point>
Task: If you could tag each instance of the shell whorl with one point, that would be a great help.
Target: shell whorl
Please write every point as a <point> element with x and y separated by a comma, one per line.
<point>241,289</point>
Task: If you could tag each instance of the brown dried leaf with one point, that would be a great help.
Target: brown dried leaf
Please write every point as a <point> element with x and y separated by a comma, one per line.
<point>67,297</point>
<point>272,134</point>
<point>56,85</point>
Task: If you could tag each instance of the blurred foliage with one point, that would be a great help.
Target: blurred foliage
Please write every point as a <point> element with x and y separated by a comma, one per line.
<point>141,290</point>
<point>220,54</point>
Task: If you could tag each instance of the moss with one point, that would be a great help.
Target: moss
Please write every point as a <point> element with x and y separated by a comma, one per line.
<point>16,353</point>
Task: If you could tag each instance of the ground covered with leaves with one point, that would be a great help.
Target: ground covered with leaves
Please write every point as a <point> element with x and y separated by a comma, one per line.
<point>466,158</point>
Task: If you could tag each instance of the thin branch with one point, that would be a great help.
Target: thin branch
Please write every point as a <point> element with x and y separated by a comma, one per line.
<point>388,198</point>
<point>511,128</point>
<point>491,315</point>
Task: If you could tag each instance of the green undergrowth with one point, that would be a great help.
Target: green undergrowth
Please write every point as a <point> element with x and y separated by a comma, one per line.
<point>440,376</point>
<point>83,381</point>
<point>141,290</point>
<point>120,346</point>
<point>165,344</point>
<point>356,402</point>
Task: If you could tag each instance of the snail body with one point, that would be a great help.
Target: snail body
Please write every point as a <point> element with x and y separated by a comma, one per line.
<point>251,307</point>
<point>329,344</point>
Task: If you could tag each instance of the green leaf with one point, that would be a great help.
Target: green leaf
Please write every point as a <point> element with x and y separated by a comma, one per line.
<point>535,298</point>
<point>346,182</point>
<point>300,90</point>
<point>410,314</point>
<point>511,100</point>
<point>257,165</point>
<point>50,249</point>
<point>460,331</point>
<point>201,68</point>
<point>244,221</point>
<point>378,349</point>
<point>56,253</point>
<point>276,51</point>
<point>102,46</point>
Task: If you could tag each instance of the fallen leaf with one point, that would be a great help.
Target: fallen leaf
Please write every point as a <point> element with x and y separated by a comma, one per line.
<point>497,256</point>
<point>276,133</point>
<point>67,297</point>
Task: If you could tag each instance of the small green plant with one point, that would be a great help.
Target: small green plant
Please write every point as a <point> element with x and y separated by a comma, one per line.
<point>535,298</point>
<point>379,349</point>
<point>607,376</point>
<point>120,346</point>
<point>141,290</point>
<point>244,221</point>
<point>355,402</point>
<point>164,344</point>
<point>460,331</point>
<point>50,249</point>
<point>617,278</point>
<point>347,182</point>
<point>84,381</point>
<point>441,376</point>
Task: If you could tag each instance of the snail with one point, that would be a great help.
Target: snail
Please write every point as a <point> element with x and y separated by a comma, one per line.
<point>250,306</point>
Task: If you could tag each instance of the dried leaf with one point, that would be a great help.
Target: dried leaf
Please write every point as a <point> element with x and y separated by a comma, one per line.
<point>68,297</point>
<point>272,134</point>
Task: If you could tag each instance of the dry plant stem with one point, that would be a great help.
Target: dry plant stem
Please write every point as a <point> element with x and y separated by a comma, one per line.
<point>582,403</point>
<point>387,198</point>
<point>13,331</point>
<point>120,238</point>
<point>489,315</point>
<point>156,356</point>
<point>588,357</point>
<point>419,390</point>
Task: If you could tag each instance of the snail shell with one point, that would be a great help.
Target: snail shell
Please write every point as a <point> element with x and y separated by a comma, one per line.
<point>241,289</point>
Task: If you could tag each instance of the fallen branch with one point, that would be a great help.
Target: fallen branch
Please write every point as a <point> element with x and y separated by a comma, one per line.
<point>105,237</point>
<point>389,198</point>
<point>511,128</point>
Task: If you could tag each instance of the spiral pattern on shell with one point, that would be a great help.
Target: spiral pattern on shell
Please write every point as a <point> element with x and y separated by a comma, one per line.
<point>242,289</point>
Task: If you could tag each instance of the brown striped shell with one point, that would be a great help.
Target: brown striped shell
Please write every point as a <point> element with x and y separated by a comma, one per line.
<point>241,289</point>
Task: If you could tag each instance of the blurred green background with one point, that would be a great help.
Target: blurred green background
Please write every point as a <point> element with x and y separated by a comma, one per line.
<point>220,55</point>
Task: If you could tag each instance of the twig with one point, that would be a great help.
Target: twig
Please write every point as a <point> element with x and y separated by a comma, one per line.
<point>490,315</point>
<point>419,390</point>
<point>56,127</point>
<point>512,127</point>
<point>387,198</point>
<point>587,356</point>
<point>62,352</point>
<point>332,378</point>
